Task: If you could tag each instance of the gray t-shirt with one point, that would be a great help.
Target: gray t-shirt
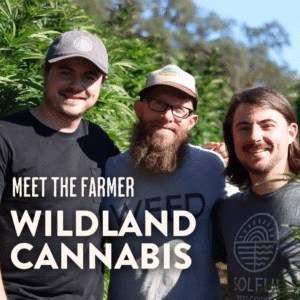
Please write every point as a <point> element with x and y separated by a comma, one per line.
<point>259,248</point>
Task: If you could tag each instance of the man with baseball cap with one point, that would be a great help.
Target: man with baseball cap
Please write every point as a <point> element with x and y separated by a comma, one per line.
<point>169,175</point>
<point>44,155</point>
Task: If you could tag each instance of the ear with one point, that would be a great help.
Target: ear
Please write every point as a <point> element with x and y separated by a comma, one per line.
<point>193,119</point>
<point>292,131</point>
<point>104,78</point>
<point>139,108</point>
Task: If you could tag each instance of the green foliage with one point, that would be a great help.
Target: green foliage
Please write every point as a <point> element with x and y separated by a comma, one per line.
<point>106,282</point>
<point>288,288</point>
<point>288,284</point>
<point>297,104</point>
<point>27,30</point>
<point>214,96</point>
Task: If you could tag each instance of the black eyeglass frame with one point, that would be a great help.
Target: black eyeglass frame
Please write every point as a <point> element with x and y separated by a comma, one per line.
<point>191,111</point>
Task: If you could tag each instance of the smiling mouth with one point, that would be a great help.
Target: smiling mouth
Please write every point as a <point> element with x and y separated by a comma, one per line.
<point>72,97</point>
<point>163,128</point>
<point>257,151</point>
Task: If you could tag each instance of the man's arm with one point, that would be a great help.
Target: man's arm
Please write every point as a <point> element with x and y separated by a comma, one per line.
<point>4,157</point>
<point>221,149</point>
<point>218,247</point>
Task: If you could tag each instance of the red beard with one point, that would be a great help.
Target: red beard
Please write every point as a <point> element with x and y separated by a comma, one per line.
<point>149,153</point>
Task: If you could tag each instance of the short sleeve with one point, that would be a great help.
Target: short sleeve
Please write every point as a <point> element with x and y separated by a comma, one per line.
<point>218,246</point>
<point>5,155</point>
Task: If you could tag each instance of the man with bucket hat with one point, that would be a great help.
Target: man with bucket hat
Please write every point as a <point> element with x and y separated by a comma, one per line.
<point>44,154</point>
<point>171,177</point>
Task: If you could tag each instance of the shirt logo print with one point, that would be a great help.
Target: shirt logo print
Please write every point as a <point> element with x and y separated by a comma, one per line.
<point>256,243</point>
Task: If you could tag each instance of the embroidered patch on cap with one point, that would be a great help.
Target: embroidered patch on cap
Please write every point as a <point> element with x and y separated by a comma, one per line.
<point>172,72</point>
<point>83,43</point>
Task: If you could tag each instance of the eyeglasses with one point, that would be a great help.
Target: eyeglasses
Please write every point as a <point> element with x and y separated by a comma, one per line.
<point>161,106</point>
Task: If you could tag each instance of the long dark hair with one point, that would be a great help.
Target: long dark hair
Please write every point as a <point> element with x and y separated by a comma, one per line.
<point>236,173</point>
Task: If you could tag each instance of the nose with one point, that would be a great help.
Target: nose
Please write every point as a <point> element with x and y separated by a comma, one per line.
<point>256,133</point>
<point>77,84</point>
<point>167,115</point>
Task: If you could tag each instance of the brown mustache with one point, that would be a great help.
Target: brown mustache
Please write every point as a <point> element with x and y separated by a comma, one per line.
<point>157,123</point>
<point>255,146</point>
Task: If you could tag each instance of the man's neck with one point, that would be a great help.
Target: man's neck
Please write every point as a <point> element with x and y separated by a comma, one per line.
<point>54,120</point>
<point>266,184</point>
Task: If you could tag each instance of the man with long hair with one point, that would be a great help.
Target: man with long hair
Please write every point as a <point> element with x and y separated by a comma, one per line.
<point>169,175</point>
<point>261,135</point>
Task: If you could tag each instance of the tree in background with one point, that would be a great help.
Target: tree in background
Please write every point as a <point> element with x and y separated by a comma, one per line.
<point>182,27</point>
<point>248,64</point>
<point>297,104</point>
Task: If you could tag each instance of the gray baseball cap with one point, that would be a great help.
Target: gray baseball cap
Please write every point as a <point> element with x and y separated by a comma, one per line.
<point>79,43</point>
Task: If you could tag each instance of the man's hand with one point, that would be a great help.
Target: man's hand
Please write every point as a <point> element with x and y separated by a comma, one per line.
<point>219,148</point>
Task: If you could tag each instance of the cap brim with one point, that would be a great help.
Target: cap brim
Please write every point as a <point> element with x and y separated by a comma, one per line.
<point>175,85</point>
<point>56,59</point>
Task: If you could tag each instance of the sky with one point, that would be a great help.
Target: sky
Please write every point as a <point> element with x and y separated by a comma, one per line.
<point>257,12</point>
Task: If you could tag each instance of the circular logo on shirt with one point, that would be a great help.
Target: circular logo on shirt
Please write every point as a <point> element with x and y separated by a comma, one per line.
<point>256,243</point>
<point>83,43</point>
